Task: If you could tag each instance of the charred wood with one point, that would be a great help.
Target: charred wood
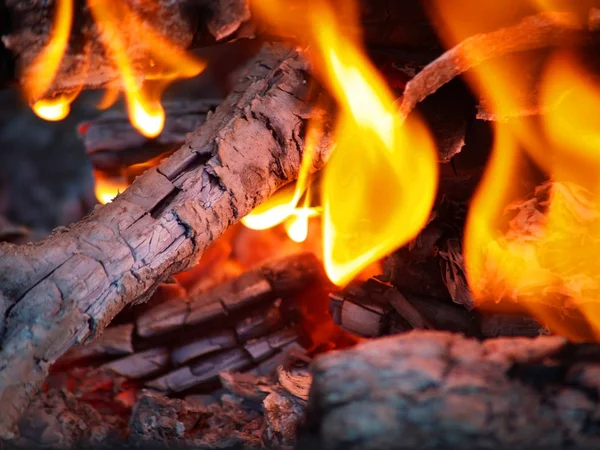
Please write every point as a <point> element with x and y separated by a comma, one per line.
<point>63,290</point>
<point>373,309</point>
<point>439,390</point>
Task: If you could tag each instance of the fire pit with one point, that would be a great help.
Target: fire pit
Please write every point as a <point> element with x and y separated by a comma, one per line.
<point>355,225</point>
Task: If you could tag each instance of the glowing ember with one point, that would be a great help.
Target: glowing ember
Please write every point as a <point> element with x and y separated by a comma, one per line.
<point>144,107</point>
<point>370,204</point>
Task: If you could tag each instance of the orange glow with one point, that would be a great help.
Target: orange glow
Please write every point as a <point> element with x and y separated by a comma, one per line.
<point>107,188</point>
<point>41,72</point>
<point>370,203</point>
<point>543,259</point>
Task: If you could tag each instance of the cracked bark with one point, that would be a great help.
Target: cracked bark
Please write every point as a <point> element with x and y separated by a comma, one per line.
<point>67,288</point>
<point>437,390</point>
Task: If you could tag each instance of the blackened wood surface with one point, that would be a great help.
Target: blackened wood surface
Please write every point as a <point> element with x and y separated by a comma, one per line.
<point>432,390</point>
<point>68,287</point>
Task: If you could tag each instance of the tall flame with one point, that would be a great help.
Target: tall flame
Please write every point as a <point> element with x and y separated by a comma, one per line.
<point>145,110</point>
<point>545,259</point>
<point>41,72</point>
<point>370,203</point>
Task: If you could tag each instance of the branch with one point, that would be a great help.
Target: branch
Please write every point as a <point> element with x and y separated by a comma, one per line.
<point>67,288</point>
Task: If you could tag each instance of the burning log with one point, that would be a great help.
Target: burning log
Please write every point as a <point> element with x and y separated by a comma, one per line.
<point>189,23</point>
<point>67,288</point>
<point>86,64</point>
<point>442,390</point>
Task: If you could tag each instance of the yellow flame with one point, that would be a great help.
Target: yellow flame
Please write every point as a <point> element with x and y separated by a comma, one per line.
<point>370,201</point>
<point>41,72</point>
<point>107,188</point>
<point>168,63</point>
<point>539,254</point>
<point>52,109</point>
<point>282,206</point>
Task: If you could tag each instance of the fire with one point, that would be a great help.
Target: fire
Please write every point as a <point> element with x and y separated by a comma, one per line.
<point>167,60</point>
<point>544,261</point>
<point>283,206</point>
<point>107,188</point>
<point>41,72</point>
<point>370,204</point>
<point>52,109</point>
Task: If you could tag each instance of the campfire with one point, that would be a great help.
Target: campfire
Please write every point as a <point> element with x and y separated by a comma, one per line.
<point>313,224</point>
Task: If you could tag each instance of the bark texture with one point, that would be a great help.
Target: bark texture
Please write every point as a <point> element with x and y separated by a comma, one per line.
<point>67,288</point>
<point>441,390</point>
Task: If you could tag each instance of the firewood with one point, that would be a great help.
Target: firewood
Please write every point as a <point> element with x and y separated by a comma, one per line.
<point>65,289</point>
<point>112,143</point>
<point>441,390</point>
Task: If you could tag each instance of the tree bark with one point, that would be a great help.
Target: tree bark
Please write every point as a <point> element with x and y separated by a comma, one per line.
<point>63,290</point>
<point>432,390</point>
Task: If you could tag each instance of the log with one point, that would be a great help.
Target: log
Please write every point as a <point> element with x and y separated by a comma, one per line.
<point>432,390</point>
<point>67,288</point>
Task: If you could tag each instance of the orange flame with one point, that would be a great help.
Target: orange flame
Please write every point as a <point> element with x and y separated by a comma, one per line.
<point>546,261</point>
<point>41,72</point>
<point>107,188</point>
<point>145,110</point>
<point>370,205</point>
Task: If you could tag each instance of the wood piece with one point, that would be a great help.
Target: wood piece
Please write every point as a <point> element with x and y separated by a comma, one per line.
<point>115,341</point>
<point>63,290</point>
<point>113,144</point>
<point>276,279</point>
<point>140,364</point>
<point>186,23</point>
<point>542,30</point>
<point>205,371</point>
<point>214,342</point>
<point>441,390</point>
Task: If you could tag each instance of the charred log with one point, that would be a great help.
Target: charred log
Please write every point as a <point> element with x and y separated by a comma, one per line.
<point>68,287</point>
<point>442,390</point>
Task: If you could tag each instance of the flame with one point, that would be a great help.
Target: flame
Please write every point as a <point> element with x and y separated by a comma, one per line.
<point>544,259</point>
<point>283,206</point>
<point>54,109</point>
<point>167,63</point>
<point>41,72</point>
<point>370,204</point>
<point>107,187</point>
